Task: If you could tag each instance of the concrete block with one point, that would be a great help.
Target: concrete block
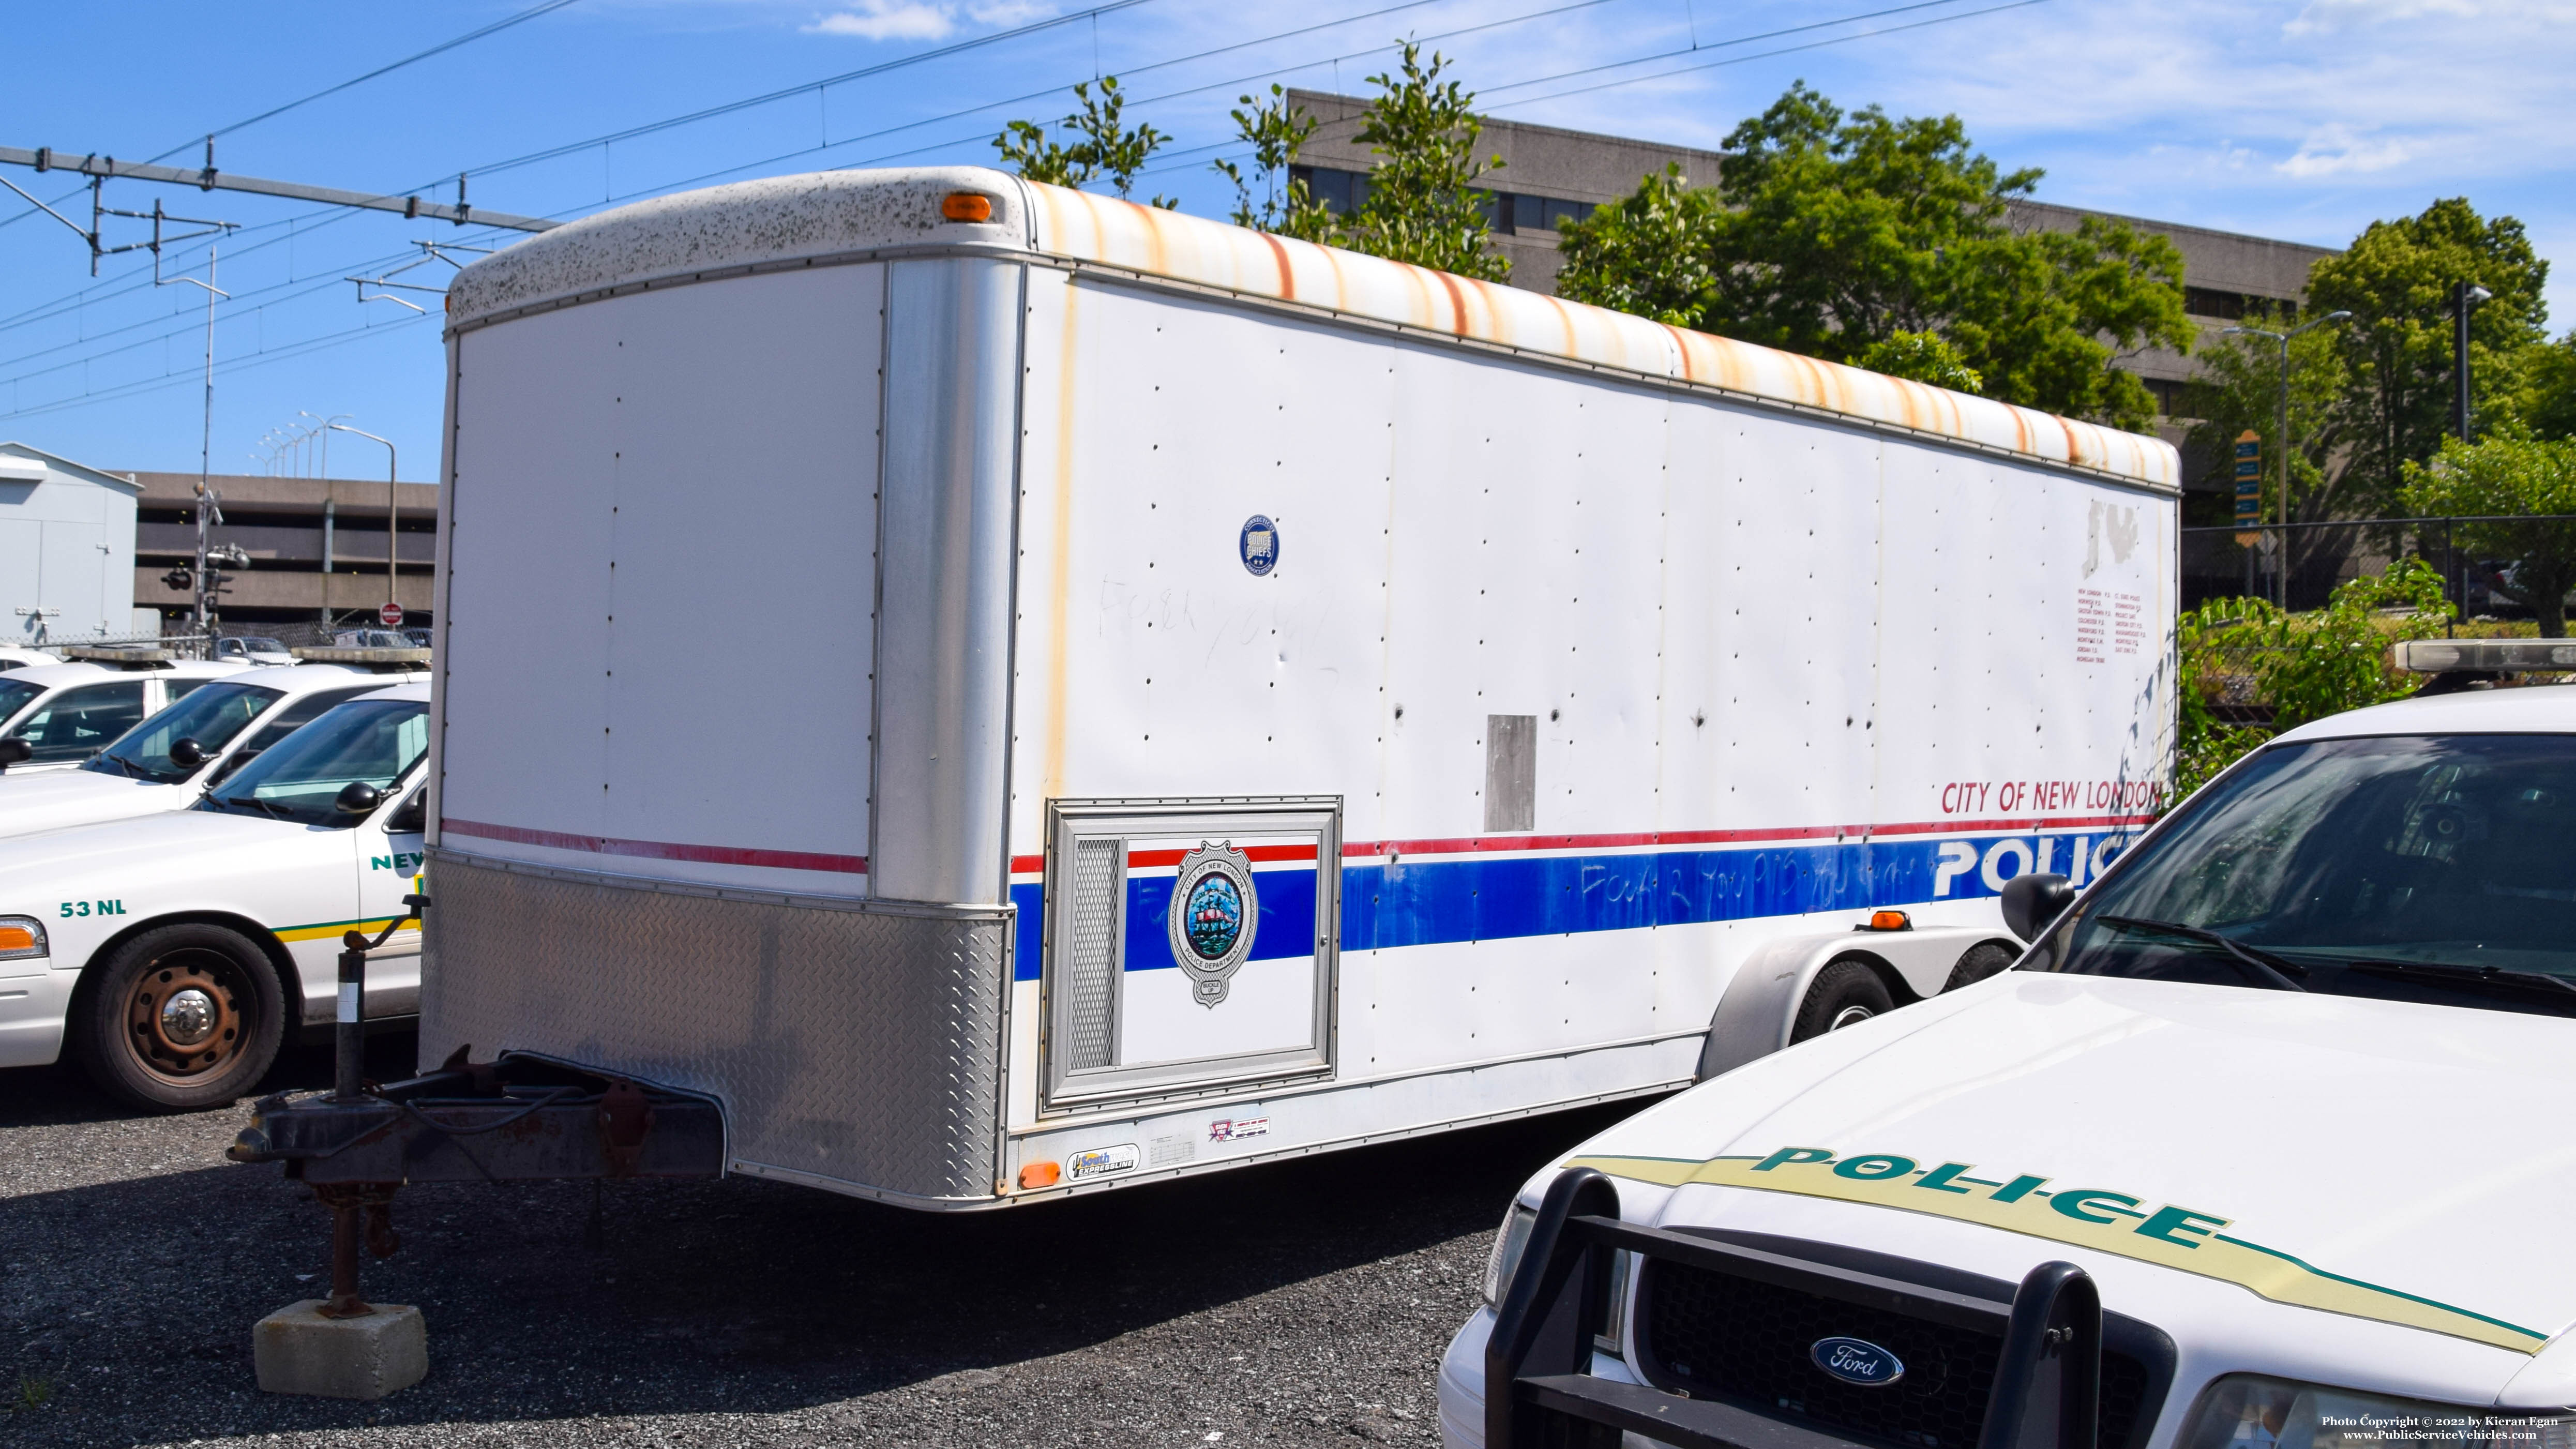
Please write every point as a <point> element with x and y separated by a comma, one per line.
<point>301,1352</point>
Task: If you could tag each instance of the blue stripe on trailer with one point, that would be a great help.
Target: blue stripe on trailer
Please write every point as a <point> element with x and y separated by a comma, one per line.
<point>1436,900</point>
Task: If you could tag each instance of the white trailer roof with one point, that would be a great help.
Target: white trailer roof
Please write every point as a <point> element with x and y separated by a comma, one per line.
<point>835,216</point>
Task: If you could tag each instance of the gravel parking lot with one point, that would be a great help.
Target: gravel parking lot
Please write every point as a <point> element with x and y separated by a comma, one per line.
<point>1300,1303</point>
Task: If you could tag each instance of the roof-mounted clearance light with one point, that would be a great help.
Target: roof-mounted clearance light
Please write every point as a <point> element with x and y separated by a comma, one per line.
<point>966,206</point>
<point>381,660</point>
<point>2484,656</point>
<point>122,658</point>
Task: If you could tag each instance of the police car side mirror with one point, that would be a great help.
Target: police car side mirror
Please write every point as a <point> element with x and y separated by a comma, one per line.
<point>358,798</point>
<point>2032,901</point>
<point>187,752</point>
<point>14,752</point>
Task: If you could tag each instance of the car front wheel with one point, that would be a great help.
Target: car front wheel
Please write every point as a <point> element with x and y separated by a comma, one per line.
<point>181,1017</point>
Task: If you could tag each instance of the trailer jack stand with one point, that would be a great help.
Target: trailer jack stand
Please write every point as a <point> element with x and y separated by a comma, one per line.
<point>351,1204</point>
<point>344,1347</point>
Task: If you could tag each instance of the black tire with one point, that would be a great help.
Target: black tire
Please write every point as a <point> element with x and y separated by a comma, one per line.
<point>1845,993</point>
<point>1984,959</point>
<point>180,1018</point>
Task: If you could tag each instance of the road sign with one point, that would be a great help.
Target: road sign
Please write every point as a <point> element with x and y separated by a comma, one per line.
<point>391,616</point>
<point>2249,482</point>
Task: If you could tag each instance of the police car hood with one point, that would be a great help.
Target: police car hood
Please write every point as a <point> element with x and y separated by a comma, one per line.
<point>2397,1162</point>
<point>80,797</point>
<point>163,847</point>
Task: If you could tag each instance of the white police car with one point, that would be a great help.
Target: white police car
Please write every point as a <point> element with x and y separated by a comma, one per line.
<point>171,953</point>
<point>53,716</point>
<point>164,762</point>
<point>2264,1142</point>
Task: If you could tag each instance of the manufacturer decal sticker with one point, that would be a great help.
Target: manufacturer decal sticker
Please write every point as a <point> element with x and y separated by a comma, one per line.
<point>1857,1361</point>
<point>1212,918</point>
<point>1170,1151</point>
<point>1260,545</point>
<point>1235,1129</point>
<point>2170,1235</point>
<point>1101,1161</point>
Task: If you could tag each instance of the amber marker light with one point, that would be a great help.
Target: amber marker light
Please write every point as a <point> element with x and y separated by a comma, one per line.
<point>21,937</point>
<point>1036,1174</point>
<point>967,206</point>
<point>1890,921</point>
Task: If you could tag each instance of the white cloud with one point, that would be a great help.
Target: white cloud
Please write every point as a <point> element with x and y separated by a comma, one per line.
<point>2332,150</point>
<point>1008,13</point>
<point>2326,16</point>
<point>888,20</point>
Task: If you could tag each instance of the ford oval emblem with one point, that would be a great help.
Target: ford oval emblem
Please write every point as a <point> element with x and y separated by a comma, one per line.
<point>1857,1361</point>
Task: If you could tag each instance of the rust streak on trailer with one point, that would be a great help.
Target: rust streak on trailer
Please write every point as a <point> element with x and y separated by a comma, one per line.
<point>1060,588</point>
<point>1287,274</point>
<point>856,215</point>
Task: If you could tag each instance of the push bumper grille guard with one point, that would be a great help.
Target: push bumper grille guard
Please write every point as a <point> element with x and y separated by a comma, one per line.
<point>1539,1393</point>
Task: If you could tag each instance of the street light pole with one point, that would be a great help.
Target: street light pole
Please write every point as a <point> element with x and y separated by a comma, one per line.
<point>393,512</point>
<point>2281,441</point>
<point>2464,295</point>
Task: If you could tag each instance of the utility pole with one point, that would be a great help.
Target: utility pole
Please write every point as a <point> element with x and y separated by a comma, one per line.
<point>2464,295</point>
<point>2281,560</point>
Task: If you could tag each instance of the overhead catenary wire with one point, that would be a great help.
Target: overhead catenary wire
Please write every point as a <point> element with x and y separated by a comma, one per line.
<point>84,297</point>
<point>496,27</point>
<point>334,339</point>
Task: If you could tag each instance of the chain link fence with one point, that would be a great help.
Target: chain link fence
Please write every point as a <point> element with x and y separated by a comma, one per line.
<point>355,628</point>
<point>2299,565</point>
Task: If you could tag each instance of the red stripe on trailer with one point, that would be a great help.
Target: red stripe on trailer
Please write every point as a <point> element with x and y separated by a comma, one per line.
<point>660,849</point>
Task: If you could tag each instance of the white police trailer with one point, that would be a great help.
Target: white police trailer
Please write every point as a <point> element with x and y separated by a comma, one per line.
<point>1248,698</point>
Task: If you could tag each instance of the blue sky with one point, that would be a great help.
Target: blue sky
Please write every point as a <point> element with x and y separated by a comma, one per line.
<point>2303,120</point>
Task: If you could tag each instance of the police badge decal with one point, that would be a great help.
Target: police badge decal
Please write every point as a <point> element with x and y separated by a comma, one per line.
<point>1213,915</point>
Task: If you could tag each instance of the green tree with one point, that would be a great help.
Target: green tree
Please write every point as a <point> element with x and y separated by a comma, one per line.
<point>2396,280</point>
<point>1644,253</point>
<point>2546,402</point>
<point>2509,475</point>
<point>2304,666</point>
<point>1103,146</point>
<point>1829,232</point>
<point>1923,357</point>
<point>1273,200</point>
<point>1423,205</point>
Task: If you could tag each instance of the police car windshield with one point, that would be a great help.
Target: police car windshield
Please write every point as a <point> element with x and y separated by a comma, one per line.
<point>2436,869</point>
<point>211,716</point>
<point>376,741</point>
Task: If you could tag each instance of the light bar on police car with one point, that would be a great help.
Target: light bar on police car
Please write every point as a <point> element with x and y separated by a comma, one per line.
<point>332,654</point>
<point>2494,656</point>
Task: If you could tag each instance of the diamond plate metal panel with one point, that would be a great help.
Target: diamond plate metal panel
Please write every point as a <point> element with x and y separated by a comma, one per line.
<point>860,1045</point>
<point>1091,977</point>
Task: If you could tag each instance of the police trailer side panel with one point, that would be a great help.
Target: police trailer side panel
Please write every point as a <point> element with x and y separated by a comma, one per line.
<point>1036,693</point>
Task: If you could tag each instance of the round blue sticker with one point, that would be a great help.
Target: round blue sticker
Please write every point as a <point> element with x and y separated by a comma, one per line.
<point>1214,907</point>
<point>1260,544</point>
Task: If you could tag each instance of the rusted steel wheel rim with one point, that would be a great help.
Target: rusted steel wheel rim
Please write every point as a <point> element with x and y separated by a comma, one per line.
<point>187,1015</point>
